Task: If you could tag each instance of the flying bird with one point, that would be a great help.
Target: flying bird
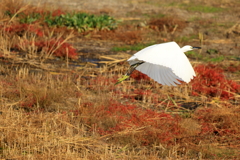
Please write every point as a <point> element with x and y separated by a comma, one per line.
<point>166,63</point>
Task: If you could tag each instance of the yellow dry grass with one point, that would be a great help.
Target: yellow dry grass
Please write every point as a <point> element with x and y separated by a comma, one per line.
<point>53,112</point>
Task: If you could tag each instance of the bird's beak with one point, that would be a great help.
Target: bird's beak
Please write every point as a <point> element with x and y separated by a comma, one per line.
<point>196,47</point>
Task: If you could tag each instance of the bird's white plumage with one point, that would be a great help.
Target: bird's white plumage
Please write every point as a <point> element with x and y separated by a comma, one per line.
<point>166,63</point>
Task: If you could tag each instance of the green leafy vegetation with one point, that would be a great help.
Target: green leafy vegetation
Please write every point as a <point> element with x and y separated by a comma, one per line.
<point>30,18</point>
<point>191,54</point>
<point>194,55</point>
<point>80,21</point>
<point>212,51</point>
<point>206,58</point>
<point>217,59</point>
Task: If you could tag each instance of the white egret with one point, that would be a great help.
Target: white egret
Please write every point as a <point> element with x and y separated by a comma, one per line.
<point>166,63</point>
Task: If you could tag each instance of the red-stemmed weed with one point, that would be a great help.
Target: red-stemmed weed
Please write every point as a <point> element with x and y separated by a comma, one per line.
<point>211,82</point>
<point>20,29</point>
<point>219,121</point>
<point>139,76</point>
<point>117,118</point>
<point>58,12</point>
<point>57,47</point>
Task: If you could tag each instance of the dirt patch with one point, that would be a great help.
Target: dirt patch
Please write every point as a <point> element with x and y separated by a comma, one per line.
<point>127,36</point>
<point>168,24</point>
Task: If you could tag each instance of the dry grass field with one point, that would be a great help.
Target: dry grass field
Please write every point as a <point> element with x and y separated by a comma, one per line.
<point>57,94</point>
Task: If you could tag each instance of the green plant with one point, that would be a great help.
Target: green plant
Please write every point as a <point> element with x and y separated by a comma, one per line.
<point>194,18</point>
<point>196,7</point>
<point>194,55</point>
<point>191,53</point>
<point>82,21</point>
<point>31,18</point>
<point>204,9</point>
<point>212,51</point>
<point>217,59</point>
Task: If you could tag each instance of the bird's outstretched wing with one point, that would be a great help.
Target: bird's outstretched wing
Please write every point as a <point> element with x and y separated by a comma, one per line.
<point>165,63</point>
<point>160,74</point>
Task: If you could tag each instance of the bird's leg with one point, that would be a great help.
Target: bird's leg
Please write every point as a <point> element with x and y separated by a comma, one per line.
<point>129,72</point>
<point>132,68</point>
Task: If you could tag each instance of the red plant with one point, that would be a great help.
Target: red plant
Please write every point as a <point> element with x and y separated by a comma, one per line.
<point>19,29</point>
<point>57,12</point>
<point>138,75</point>
<point>210,81</point>
<point>104,81</point>
<point>220,121</point>
<point>63,49</point>
<point>58,47</point>
<point>233,68</point>
<point>29,102</point>
<point>137,94</point>
<point>118,117</point>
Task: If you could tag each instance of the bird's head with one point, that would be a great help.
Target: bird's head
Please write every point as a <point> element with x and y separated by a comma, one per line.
<point>189,48</point>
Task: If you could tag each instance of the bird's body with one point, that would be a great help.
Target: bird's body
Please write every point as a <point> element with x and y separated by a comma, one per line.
<point>166,63</point>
